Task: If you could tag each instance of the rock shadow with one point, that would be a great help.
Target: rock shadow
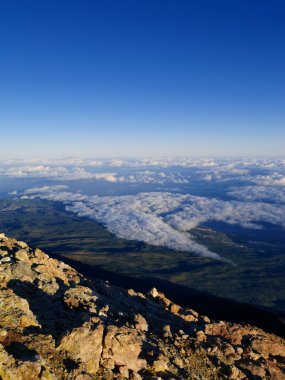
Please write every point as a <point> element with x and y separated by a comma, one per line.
<point>207,304</point>
<point>20,351</point>
<point>51,312</point>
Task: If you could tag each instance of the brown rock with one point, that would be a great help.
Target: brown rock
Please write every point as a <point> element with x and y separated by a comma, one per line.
<point>22,271</point>
<point>175,308</point>
<point>255,371</point>
<point>123,345</point>
<point>275,371</point>
<point>124,371</point>
<point>201,337</point>
<point>234,373</point>
<point>206,319</point>
<point>84,346</point>
<point>80,297</point>
<point>160,365</point>
<point>266,348</point>
<point>15,311</point>
<point>22,255</point>
<point>153,293</point>
<point>141,323</point>
<point>22,244</point>
<point>189,318</point>
<point>26,371</point>
<point>75,329</point>
<point>108,363</point>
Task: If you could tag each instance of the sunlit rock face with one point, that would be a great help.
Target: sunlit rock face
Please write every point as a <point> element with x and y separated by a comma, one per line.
<point>56,324</point>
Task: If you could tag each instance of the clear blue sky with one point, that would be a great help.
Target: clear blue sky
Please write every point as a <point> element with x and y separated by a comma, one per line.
<point>142,77</point>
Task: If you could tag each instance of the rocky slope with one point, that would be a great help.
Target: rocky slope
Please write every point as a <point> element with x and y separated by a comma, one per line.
<point>55,324</point>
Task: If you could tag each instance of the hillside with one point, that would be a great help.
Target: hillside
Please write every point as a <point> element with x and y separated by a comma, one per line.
<point>56,324</point>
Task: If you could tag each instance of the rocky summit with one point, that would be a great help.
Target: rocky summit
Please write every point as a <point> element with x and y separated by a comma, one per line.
<point>56,324</point>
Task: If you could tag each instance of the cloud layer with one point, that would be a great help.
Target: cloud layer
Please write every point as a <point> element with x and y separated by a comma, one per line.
<point>162,218</point>
<point>269,194</point>
<point>267,172</point>
<point>255,189</point>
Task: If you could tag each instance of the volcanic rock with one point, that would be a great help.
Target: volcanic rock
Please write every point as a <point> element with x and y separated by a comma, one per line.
<point>56,324</point>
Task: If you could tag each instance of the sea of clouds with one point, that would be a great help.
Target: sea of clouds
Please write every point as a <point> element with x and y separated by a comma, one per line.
<point>264,172</point>
<point>164,218</point>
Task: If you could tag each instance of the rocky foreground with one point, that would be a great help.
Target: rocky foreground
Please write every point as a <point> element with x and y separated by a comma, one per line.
<point>55,324</point>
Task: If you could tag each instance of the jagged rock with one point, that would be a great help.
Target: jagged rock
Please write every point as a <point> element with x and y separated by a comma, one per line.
<point>123,345</point>
<point>131,292</point>
<point>254,371</point>
<point>22,270</point>
<point>80,297</point>
<point>201,337</point>
<point>22,244</point>
<point>206,319</point>
<point>22,255</point>
<point>15,311</point>
<point>153,293</point>
<point>3,237</point>
<point>233,373</point>
<point>84,346</point>
<point>141,323</point>
<point>266,348</point>
<point>160,365</point>
<point>55,324</point>
<point>189,318</point>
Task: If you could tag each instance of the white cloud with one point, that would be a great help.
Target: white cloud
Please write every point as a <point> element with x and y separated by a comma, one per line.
<point>45,189</point>
<point>69,173</point>
<point>269,194</point>
<point>274,179</point>
<point>259,171</point>
<point>154,177</point>
<point>60,173</point>
<point>163,219</point>
<point>130,217</point>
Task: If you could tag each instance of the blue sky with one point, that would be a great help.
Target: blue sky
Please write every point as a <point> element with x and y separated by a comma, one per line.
<point>148,77</point>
